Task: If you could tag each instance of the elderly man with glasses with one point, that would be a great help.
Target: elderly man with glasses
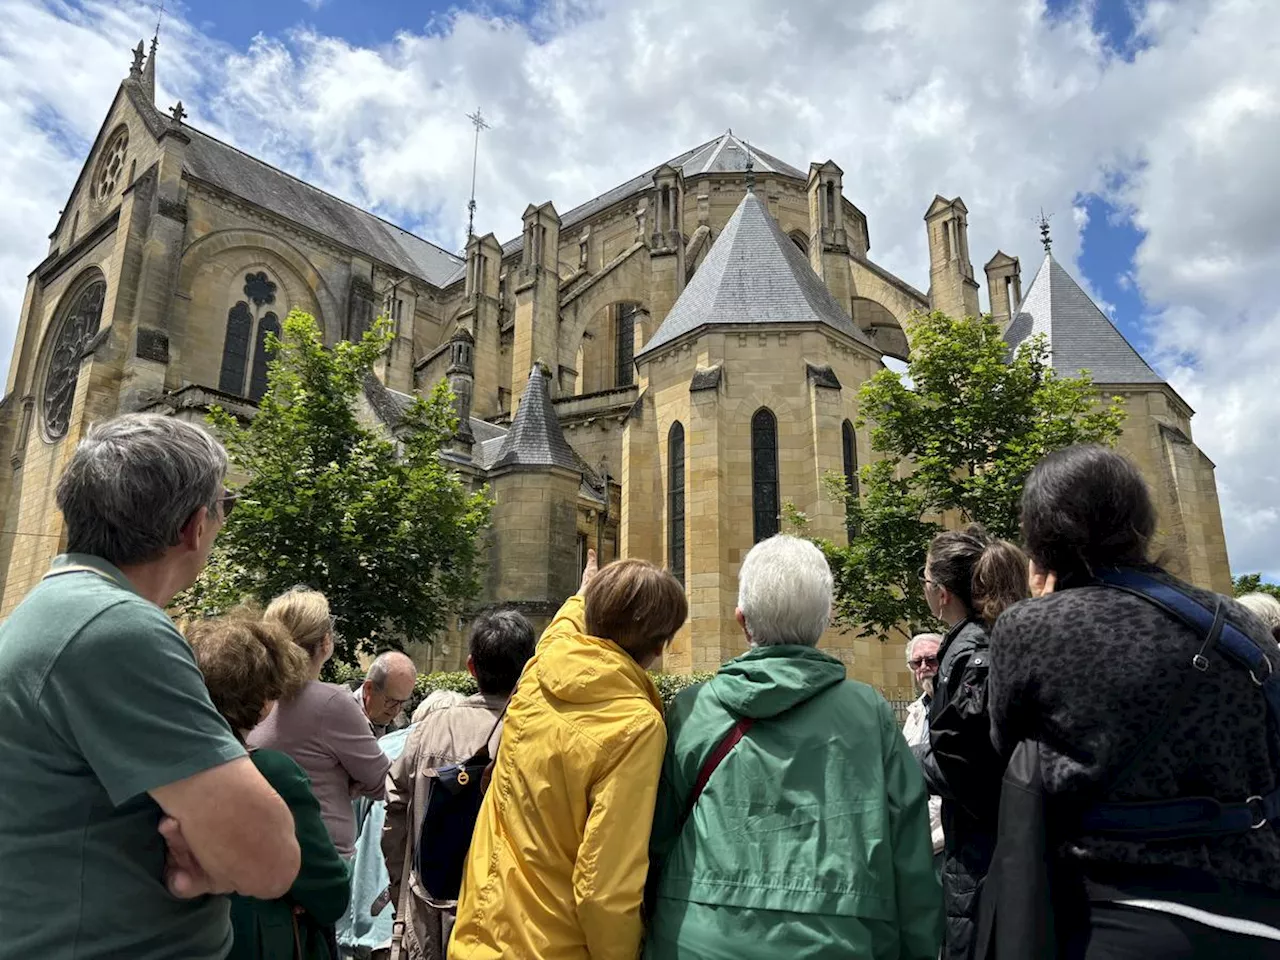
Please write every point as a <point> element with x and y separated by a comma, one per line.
<point>387,687</point>
<point>922,659</point>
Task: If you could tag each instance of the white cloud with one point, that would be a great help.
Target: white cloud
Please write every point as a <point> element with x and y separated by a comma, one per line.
<point>988,99</point>
<point>315,4</point>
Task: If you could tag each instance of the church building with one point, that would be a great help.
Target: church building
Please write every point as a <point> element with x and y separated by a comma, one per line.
<point>653,373</point>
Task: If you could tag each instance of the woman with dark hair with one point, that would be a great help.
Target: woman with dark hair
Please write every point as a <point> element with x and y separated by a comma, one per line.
<point>1128,680</point>
<point>969,579</point>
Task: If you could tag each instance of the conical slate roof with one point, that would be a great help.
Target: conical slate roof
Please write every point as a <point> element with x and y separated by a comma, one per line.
<point>535,438</point>
<point>1081,337</point>
<point>753,273</point>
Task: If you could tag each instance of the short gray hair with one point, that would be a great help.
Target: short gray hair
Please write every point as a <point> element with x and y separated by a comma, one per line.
<point>134,482</point>
<point>931,637</point>
<point>1263,606</point>
<point>380,669</point>
<point>784,592</point>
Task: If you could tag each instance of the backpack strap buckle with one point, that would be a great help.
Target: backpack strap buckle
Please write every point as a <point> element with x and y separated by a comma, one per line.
<point>1259,812</point>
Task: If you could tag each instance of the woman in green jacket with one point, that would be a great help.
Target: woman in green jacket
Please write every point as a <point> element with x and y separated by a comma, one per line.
<point>811,836</point>
<point>248,665</point>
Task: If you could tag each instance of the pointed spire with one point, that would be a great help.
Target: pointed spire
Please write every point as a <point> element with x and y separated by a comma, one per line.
<point>535,439</point>
<point>149,74</point>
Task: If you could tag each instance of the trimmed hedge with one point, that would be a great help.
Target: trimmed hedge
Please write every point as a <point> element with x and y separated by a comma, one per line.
<point>668,684</point>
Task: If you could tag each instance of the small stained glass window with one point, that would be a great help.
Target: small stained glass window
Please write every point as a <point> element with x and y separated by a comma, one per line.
<point>675,502</point>
<point>764,474</point>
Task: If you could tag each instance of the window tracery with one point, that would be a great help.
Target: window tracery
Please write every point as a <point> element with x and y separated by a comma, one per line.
<point>77,326</point>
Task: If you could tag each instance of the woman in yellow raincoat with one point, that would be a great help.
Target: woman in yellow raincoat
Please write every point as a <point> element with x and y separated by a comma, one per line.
<point>557,865</point>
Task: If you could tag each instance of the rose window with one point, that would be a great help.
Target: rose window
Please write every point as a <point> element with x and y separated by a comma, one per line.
<point>110,172</point>
<point>79,325</point>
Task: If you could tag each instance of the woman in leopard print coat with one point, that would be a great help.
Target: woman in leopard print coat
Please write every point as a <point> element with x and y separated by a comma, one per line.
<point>1088,671</point>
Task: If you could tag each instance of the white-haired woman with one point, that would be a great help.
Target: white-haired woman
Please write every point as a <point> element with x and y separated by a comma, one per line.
<point>792,820</point>
<point>1266,608</point>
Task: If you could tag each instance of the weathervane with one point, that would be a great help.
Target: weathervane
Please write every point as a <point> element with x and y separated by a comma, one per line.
<point>1043,221</point>
<point>478,122</point>
<point>751,170</point>
<point>155,40</point>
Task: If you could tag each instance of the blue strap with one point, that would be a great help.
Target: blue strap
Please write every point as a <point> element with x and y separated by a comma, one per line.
<point>1232,642</point>
<point>1181,819</point>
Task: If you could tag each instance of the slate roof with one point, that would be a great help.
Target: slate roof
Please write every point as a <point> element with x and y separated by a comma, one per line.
<point>725,154</point>
<point>1081,337</point>
<point>535,438</point>
<point>753,273</point>
<point>390,405</point>
<point>288,197</point>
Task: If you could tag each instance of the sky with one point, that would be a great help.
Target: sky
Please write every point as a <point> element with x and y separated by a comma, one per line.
<point>1148,130</point>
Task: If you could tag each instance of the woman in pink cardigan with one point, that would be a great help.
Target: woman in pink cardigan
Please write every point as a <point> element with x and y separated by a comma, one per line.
<point>322,727</point>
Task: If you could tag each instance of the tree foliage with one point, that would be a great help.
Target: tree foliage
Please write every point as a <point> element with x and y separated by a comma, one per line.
<point>1253,583</point>
<point>382,526</point>
<point>952,443</point>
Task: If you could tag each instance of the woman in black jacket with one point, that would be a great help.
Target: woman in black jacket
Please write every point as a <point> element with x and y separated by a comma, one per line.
<point>969,578</point>
<point>1131,704</point>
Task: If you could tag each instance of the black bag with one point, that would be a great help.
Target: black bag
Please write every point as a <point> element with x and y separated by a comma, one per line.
<point>449,821</point>
<point>1016,909</point>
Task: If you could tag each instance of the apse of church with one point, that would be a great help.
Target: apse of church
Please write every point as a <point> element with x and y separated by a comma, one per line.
<point>653,373</point>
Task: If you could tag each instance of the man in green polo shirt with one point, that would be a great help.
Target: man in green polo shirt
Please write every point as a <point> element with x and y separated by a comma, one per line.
<point>106,728</point>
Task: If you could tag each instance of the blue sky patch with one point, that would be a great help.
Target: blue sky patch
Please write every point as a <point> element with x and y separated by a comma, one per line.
<point>1115,20</point>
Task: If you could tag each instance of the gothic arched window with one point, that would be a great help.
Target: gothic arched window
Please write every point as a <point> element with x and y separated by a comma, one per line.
<point>235,354</point>
<point>625,342</point>
<point>244,354</point>
<point>77,325</point>
<point>764,474</point>
<point>675,502</point>
<point>850,445</point>
<point>258,381</point>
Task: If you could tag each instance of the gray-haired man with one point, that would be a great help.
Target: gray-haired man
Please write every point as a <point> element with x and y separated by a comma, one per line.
<point>387,687</point>
<point>121,779</point>
<point>922,661</point>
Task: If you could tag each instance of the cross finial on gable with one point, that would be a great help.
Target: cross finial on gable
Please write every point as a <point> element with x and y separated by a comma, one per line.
<point>1044,230</point>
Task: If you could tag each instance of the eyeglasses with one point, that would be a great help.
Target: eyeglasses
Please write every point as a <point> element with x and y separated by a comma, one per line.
<point>923,575</point>
<point>917,662</point>
<point>228,502</point>
<point>393,703</point>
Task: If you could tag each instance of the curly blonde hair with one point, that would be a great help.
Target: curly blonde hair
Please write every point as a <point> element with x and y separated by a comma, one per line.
<point>247,662</point>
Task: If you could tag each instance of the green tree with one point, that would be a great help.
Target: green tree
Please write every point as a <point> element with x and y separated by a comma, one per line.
<point>955,438</point>
<point>1253,583</point>
<point>383,527</point>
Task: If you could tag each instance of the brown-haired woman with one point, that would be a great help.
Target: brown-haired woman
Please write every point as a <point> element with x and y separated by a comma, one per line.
<point>969,579</point>
<point>248,665</point>
<point>559,857</point>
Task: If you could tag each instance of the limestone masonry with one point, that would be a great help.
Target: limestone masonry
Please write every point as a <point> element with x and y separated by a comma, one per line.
<point>652,374</point>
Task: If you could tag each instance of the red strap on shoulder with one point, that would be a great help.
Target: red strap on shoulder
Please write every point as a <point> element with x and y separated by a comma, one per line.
<point>717,755</point>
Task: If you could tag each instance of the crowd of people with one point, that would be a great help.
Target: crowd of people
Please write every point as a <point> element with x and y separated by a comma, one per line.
<point>1090,770</point>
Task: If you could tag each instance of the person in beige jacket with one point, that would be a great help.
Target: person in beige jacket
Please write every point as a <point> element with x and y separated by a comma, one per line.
<point>500,645</point>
